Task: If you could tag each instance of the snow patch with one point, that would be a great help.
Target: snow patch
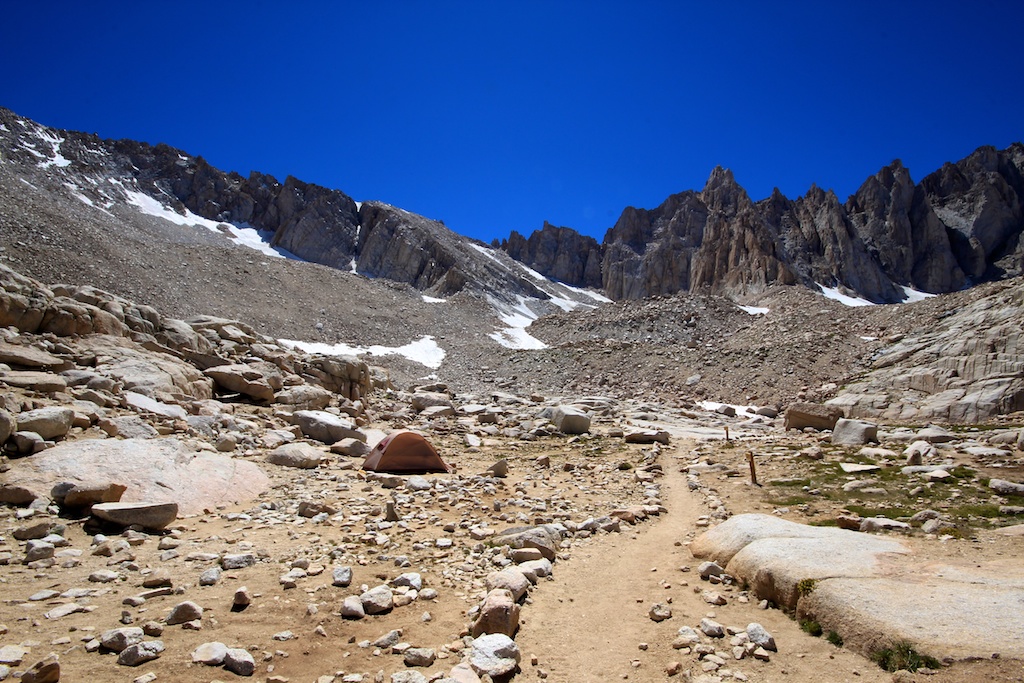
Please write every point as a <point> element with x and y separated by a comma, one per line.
<point>243,235</point>
<point>433,300</point>
<point>489,253</point>
<point>55,142</point>
<point>743,411</point>
<point>912,295</point>
<point>4,128</point>
<point>753,310</point>
<point>845,299</point>
<point>869,339</point>
<point>28,183</point>
<point>424,350</point>
<point>517,317</point>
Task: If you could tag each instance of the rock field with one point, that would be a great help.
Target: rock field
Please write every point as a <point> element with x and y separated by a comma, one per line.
<point>184,501</point>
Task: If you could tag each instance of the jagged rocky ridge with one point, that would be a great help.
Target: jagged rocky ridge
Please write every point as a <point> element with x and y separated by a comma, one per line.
<point>301,219</point>
<point>959,226</point>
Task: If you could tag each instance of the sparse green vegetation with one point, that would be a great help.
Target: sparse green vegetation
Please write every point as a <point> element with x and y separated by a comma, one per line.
<point>811,627</point>
<point>834,638</point>
<point>806,586</point>
<point>902,655</point>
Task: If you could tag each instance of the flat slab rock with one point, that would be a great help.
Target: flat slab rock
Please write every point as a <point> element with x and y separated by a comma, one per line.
<point>871,589</point>
<point>153,470</point>
<point>149,515</point>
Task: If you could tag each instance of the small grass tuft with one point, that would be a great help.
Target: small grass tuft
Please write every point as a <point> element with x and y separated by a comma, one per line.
<point>902,655</point>
<point>806,586</point>
<point>811,627</point>
<point>834,638</point>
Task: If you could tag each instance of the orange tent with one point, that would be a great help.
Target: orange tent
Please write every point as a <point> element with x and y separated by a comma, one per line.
<point>404,451</point>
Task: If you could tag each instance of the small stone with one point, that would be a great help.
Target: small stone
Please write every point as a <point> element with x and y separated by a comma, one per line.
<point>104,576</point>
<point>341,576</point>
<point>239,661</point>
<point>659,612</point>
<point>760,637</point>
<point>419,656</point>
<point>140,653</point>
<point>211,653</point>
<point>242,597</point>
<point>184,612</point>
<point>210,576</point>
<point>711,628</point>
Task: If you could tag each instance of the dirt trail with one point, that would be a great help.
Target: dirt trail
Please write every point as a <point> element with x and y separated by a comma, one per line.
<point>589,624</point>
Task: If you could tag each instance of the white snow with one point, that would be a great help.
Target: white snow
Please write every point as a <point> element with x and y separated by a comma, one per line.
<point>745,411</point>
<point>596,296</point>
<point>424,350</point>
<point>4,128</point>
<point>753,310</point>
<point>489,253</point>
<point>846,300</point>
<point>242,235</point>
<point>55,143</point>
<point>433,300</point>
<point>870,338</point>
<point>517,317</point>
<point>28,183</point>
<point>913,295</point>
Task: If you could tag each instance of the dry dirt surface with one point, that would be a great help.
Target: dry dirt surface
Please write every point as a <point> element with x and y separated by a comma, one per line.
<point>588,621</point>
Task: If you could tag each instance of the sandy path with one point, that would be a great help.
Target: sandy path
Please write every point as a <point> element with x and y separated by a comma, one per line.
<point>589,623</point>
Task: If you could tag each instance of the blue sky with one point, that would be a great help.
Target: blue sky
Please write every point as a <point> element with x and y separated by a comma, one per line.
<point>498,116</point>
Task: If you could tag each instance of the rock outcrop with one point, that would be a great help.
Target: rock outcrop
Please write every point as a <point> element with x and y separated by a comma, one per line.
<point>959,226</point>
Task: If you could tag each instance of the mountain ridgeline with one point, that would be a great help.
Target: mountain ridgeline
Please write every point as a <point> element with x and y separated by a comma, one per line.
<point>959,226</point>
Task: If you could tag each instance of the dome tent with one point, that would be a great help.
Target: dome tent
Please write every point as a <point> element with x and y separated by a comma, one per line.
<point>404,451</point>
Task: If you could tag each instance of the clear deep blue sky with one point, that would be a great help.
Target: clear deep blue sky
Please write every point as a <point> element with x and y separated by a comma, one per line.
<point>496,116</point>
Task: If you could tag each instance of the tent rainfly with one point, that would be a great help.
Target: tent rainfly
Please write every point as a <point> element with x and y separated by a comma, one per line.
<point>404,451</point>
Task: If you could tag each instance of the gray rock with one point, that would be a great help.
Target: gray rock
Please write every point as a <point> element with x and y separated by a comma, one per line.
<point>351,447</point>
<point>408,677</point>
<point>49,423</point>
<point>711,628</point>
<point>238,561</point>
<point>409,579</point>
<point>326,427</point>
<point>299,455</point>
<point>148,515</point>
<point>759,636</point>
<point>419,656</point>
<point>256,382</point>
<point>659,612</point>
<point>184,611</point>
<point>211,654</point>
<point>499,613</point>
<point>158,471</point>
<point>8,425</point>
<point>854,432</point>
<point>511,578</point>
<point>1006,488</point>
<point>341,576</point>
<point>352,608</point>
<point>389,639</point>
<point>494,654</point>
<point>570,420</point>
<point>44,671</point>
<point>304,397</point>
<point>38,549</point>
<point>813,415</point>
<point>377,600</point>
<point>242,598</point>
<point>140,653</point>
<point>709,569</point>
<point>210,576</point>
<point>239,661</point>
<point>118,639</point>
<point>143,403</point>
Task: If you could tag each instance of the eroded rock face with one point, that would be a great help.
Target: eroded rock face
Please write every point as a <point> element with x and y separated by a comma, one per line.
<point>962,223</point>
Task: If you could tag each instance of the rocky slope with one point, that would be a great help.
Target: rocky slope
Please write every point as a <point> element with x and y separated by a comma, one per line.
<point>119,178</point>
<point>959,226</point>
